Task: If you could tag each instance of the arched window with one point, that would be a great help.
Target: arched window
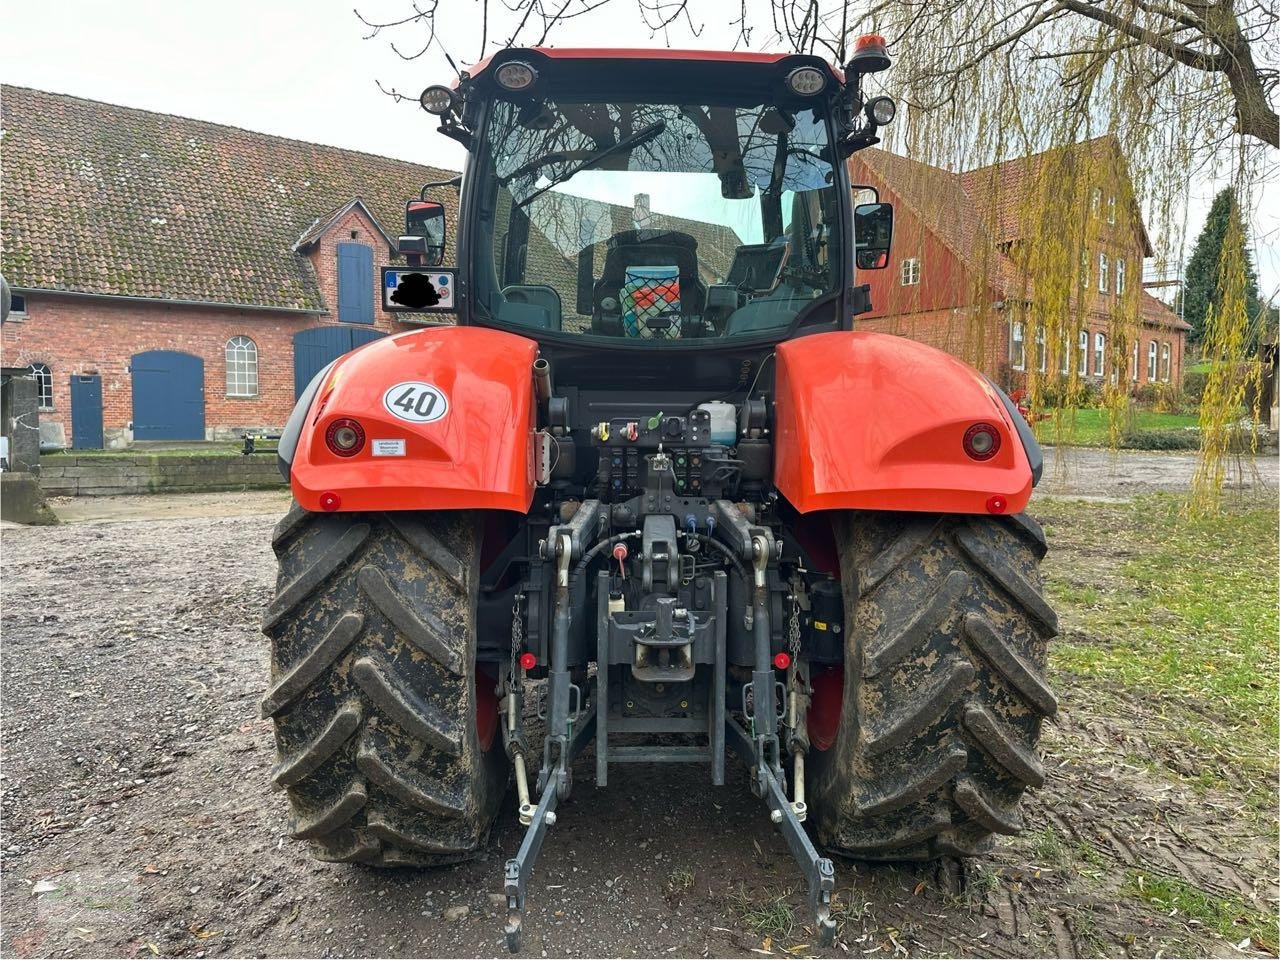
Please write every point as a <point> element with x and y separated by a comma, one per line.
<point>1099,353</point>
<point>1151,362</point>
<point>1165,368</point>
<point>1042,350</point>
<point>1083,369</point>
<point>44,385</point>
<point>242,367</point>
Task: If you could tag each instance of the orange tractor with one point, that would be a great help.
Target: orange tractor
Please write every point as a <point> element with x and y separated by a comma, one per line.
<point>653,498</point>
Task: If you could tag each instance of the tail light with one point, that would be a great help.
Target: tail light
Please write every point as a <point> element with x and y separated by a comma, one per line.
<point>344,437</point>
<point>981,441</point>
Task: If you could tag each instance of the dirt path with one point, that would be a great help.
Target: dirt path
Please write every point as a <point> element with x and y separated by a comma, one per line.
<point>1082,471</point>
<point>138,820</point>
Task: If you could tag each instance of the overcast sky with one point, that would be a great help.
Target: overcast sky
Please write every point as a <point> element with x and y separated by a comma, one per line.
<point>301,68</point>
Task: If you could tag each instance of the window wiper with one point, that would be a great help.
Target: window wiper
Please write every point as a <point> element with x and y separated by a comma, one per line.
<point>635,140</point>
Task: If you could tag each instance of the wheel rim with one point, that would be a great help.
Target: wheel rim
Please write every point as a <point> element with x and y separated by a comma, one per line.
<point>486,709</point>
<point>826,705</point>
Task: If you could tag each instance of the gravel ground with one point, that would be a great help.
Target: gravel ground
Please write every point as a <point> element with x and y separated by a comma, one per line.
<point>138,820</point>
<point>1084,471</point>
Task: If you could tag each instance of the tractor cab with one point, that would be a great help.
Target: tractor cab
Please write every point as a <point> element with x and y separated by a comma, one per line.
<point>657,198</point>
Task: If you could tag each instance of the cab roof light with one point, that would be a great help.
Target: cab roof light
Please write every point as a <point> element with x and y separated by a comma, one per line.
<point>806,81</point>
<point>515,76</point>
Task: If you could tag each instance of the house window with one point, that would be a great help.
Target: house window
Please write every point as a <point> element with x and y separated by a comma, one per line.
<point>1099,353</point>
<point>1095,202</point>
<point>910,271</point>
<point>1017,348</point>
<point>18,307</point>
<point>355,283</point>
<point>1084,269</point>
<point>1111,209</point>
<point>44,385</point>
<point>1165,370</point>
<point>1104,274</point>
<point>1042,350</point>
<point>1133,363</point>
<point>1119,277</point>
<point>1083,368</point>
<point>1151,362</point>
<point>1064,361</point>
<point>242,367</point>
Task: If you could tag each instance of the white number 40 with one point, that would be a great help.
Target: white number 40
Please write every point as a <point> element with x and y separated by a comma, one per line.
<point>416,402</point>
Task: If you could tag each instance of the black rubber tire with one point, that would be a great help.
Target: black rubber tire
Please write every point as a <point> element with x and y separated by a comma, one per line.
<point>944,689</point>
<point>373,631</point>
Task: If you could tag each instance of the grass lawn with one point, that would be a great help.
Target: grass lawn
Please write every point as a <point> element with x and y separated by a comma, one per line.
<point>1090,427</point>
<point>1181,614</point>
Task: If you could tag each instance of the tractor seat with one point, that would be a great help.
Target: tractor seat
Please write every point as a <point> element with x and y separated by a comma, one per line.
<point>644,261</point>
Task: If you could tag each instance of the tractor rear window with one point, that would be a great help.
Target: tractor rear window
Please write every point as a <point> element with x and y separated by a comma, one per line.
<point>655,222</point>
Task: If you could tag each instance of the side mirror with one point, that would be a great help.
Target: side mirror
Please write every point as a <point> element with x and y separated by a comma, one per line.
<point>872,234</point>
<point>424,228</point>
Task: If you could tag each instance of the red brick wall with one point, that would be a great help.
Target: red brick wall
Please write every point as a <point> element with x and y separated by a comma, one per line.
<point>82,335</point>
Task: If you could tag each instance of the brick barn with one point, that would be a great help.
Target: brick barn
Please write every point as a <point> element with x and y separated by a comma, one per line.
<point>181,280</point>
<point>952,280</point>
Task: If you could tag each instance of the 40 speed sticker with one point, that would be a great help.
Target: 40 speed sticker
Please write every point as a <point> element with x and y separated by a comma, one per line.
<point>416,402</point>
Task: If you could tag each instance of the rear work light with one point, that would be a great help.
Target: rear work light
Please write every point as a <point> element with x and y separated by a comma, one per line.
<point>437,100</point>
<point>981,441</point>
<point>806,81</point>
<point>344,438</point>
<point>516,75</point>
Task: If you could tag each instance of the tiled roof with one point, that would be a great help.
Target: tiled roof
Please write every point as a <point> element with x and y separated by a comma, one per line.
<point>978,213</point>
<point>111,200</point>
<point>1156,313</point>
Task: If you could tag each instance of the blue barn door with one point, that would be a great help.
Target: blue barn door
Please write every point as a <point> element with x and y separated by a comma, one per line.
<point>168,396</point>
<point>316,348</point>
<point>86,412</point>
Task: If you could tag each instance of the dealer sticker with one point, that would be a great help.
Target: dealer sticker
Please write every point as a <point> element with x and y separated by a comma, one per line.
<point>416,402</point>
<point>387,448</point>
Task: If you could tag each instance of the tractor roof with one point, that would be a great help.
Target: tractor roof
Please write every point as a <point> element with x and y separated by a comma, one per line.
<point>649,53</point>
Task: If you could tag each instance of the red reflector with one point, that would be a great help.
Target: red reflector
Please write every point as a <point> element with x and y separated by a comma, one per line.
<point>528,661</point>
<point>344,437</point>
<point>981,441</point>
<point>330,501</point>
<point>782,660</point>
<point>997,504</point>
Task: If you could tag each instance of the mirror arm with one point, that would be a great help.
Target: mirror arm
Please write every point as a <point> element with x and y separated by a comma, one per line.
<point>454,182</point>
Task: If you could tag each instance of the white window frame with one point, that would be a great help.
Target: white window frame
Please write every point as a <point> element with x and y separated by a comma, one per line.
<point>1095,202</point>
<point>1151,362</point>
<point>1064,362</point>
<point>1082,346</point>
<point>1042,350</point>
<point>1120,275</point>
<point>1111,208</point>
<point>909,273</point>
<point>1017,346</point>
<point>1166,361</point>
<point>240,354</point>
<point>1133,367</point>
<point>18,312</point>
<point>1084,269</point>
<point>43,376</point>
<point>1104,274</point>
<point>1099,353</point>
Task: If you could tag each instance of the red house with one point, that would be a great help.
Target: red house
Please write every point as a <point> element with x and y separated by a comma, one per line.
<point>181,280</point>
<point>965,245</point>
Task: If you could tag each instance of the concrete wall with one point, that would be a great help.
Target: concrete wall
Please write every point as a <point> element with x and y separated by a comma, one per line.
<point>66,475</point>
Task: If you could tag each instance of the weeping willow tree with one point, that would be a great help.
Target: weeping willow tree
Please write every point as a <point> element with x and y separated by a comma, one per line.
<point>1045,150</point>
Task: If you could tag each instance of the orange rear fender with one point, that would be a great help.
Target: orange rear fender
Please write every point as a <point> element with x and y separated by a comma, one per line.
<point>446,417</point>
<point>871,421</point>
